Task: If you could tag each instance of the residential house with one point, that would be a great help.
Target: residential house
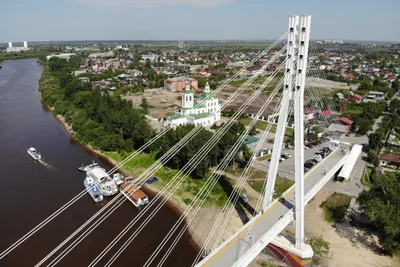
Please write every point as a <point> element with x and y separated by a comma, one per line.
<point>376,95</point>
<point>179,83</point>
<point>343,121</point>
<point>355,97</point>
<point>389,160</point>
<point>340,96</point>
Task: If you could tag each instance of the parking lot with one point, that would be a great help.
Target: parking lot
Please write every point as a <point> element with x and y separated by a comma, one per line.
<point>286,167</point>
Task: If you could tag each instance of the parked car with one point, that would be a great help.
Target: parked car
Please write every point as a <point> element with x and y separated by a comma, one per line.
<point>280,160</point>
<point>306,148</point>
<point>245,198</point>
<point>317,157</point>
<point>313,160</point>
<point>308,165</point>
<point>306,170</point>
<point>285,155</point>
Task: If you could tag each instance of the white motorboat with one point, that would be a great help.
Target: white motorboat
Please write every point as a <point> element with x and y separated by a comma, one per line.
<point>88,167</point>
<point>107,185</point>
<point>93,189</point>
<point>34,154</point>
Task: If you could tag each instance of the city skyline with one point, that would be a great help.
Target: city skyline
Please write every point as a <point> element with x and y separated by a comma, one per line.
<point>168,20</point>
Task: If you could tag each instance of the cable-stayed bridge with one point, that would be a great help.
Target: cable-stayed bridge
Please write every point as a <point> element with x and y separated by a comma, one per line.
<point>272,214</point>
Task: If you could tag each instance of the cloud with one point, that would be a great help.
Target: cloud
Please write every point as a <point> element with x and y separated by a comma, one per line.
<point>155,3</point>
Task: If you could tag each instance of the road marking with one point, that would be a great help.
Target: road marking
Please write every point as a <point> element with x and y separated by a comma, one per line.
<point>265,213</point>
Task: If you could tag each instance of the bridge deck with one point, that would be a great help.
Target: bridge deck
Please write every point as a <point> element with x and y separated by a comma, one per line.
<point>271,222</point>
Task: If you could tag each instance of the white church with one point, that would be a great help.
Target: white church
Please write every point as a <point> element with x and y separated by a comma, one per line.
<point>203,110</point>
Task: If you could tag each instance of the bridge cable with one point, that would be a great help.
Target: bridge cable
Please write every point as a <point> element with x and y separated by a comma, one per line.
<point>237,114</point>
<point>115,198</point>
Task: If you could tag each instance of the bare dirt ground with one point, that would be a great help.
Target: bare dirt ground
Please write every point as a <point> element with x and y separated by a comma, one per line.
<point>162,103</point>
<point>349,246</point>
<point>239,100</point>
<point>318,82</point>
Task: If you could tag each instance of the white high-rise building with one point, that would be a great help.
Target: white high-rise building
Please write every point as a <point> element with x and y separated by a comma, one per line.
<point>11,49</point>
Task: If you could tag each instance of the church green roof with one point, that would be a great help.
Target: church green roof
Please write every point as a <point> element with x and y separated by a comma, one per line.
<point>175,117</point>
<point>199,105</point>
<point>188,92</point>
<point>207,95</point>
<point>200,115</point>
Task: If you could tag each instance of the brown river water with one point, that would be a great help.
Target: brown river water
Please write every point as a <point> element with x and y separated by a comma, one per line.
<point>31,191</point>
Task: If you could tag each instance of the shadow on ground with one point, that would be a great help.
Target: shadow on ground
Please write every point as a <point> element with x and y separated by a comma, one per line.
<point>240,206</point>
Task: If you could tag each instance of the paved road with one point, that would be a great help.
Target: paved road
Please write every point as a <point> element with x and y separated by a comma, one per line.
<point>269,220</point>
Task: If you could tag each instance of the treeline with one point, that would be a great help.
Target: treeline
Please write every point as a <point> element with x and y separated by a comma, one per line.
<point>106,122</point>
<point>217,153</point>
<point>363,115</point>
<point>381,203</point>
<point>381,208</point>
<point>110,123</point>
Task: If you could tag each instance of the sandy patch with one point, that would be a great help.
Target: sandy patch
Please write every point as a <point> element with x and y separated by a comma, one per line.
<point>349,246</point>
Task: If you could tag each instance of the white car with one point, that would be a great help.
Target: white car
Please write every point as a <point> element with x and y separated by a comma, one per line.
<point>317,157</point>
<point>306,148</point>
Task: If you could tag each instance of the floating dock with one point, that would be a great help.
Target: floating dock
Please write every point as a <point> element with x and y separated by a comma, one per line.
<point>134,194</point>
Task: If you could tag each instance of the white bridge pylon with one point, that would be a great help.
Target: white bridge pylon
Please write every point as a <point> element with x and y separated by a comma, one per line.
<point>294,86</point>
<point>227,254</point>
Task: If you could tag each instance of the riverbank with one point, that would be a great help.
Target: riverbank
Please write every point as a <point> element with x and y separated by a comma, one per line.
<point>151,190</point>
<point>199,227</point>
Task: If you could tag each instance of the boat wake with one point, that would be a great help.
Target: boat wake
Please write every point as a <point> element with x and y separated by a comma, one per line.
<point>47,165</point>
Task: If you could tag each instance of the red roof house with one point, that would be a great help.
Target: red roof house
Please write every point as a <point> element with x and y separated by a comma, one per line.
<point>344,120</point>
<point>325,113</point>
<point>356,98</point>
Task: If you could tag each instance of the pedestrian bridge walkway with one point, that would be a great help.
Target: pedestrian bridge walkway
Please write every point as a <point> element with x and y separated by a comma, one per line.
<point>264,227</point>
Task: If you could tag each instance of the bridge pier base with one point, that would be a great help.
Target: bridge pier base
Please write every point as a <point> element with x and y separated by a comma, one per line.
<point>284,250</point>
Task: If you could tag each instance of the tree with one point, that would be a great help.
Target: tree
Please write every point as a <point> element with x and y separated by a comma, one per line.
<point>373,157</point>
<point>396,85</point>
<point>56,63</point>
<point>365,85</point>
<point>381,208</point>
<point>145,105</point>
<point>375,141</point>
<point>364,126</point>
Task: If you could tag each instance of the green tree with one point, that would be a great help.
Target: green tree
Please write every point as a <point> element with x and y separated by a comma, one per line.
<point>145,105</point>
<point>373,157</point>
<point>364,126</point>
<point>375,141</point>
<point>381,207</point>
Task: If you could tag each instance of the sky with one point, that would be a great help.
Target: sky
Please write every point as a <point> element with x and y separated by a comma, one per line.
<point>57,20</point>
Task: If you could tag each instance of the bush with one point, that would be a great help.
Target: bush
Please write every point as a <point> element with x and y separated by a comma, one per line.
<point>335,207</point>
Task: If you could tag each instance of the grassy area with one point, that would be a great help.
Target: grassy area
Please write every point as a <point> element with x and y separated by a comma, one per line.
<point>266,264</point>
<point>281,185</point>
<point>320,247</point>
<point>335,207</point>
<point>257,178</point>
<point>366,177</point>
<point>186,192</point>
<point>257,185</point>
<point>264,157</point>
<point>263,124</point>
<point>259,124</point>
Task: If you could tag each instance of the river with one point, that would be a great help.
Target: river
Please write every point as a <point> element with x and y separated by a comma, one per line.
<point>30,191</point>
